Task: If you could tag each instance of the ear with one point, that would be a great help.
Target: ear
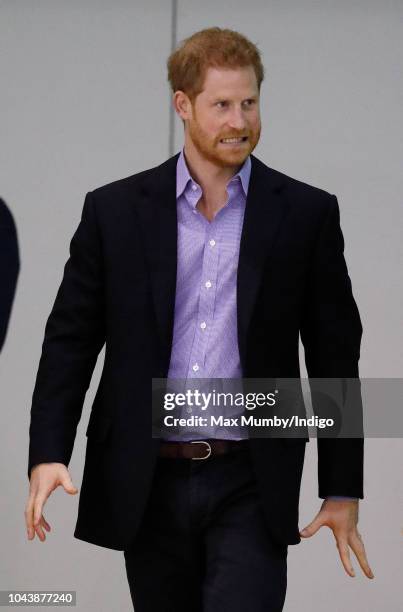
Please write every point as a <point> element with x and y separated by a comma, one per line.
<point>182,105</point>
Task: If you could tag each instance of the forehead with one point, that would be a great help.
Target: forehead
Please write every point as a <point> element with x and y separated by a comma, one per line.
<point>225,82</point>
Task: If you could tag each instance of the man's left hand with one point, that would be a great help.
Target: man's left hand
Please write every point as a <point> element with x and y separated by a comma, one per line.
<point>342,518</point>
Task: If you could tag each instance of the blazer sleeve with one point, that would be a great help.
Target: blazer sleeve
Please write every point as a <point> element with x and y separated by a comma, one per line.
<point>331,332</point>
<point>9,267</point>
<point>74,336</point>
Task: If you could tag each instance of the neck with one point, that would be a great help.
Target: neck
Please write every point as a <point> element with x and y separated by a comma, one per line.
<point>212,178</point>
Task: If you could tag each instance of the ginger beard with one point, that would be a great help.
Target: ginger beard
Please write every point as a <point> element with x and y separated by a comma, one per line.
<point>220,154</point>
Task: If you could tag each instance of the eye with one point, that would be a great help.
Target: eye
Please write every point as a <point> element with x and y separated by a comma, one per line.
<point>222,103</point>
<point>250,102</point>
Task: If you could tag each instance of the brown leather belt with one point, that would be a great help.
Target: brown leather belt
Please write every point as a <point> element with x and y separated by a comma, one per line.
<point>200,449</point>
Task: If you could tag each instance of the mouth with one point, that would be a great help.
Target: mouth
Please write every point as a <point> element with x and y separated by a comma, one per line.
<point>234,142</point>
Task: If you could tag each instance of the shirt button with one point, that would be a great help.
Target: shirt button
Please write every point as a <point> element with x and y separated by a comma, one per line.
<point>208,284</point>
<point>194,211</point>
<point>195,367</point>
<point>194,187</point>
<point>203,325</point>
<point>212,242</point>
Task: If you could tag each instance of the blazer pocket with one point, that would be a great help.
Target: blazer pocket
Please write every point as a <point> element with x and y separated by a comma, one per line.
<point>98,427</point>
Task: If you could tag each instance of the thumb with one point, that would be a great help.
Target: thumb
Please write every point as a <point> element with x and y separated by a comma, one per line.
<point>68,485</point>
<point>312,528</point>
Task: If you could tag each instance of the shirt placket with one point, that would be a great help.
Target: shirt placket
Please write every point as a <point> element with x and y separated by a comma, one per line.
<point>206,302</point>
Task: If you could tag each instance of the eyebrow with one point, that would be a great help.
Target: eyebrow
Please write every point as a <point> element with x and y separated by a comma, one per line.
<point>224,99</point>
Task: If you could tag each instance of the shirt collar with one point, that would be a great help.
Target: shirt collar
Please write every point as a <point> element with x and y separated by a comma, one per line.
<point>183,175</point>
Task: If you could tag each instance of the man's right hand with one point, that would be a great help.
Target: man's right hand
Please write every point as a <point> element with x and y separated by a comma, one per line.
<point>45,478</point>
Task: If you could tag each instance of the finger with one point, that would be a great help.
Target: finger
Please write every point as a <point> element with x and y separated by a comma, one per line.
<point>344,553</point>
<point>68,485</point>
<point>45,523</point>
<point>312,528</point>
<point>40,533</point>
<point>29,517</point>
<point>357,546</point>
<point>38,506</point>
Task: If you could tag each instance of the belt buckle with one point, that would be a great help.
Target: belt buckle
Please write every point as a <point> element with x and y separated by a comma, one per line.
<point>208,448</point>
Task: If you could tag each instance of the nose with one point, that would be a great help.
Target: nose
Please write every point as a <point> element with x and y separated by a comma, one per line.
<point>237,120</point>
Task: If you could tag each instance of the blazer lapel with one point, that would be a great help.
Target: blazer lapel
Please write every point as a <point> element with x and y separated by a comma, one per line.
<point>266,207</point>
<point>158,217</point>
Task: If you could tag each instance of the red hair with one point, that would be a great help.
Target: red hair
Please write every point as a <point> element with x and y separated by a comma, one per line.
<point>212,47</point>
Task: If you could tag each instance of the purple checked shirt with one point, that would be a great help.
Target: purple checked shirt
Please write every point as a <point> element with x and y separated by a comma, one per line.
<point>205,335</point>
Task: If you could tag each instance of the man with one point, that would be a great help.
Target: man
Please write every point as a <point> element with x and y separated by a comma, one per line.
<point>208,265</point>
<point>9,267</point>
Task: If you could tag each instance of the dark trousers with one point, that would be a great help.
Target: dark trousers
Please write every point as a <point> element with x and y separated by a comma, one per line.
<point>203,545</point>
